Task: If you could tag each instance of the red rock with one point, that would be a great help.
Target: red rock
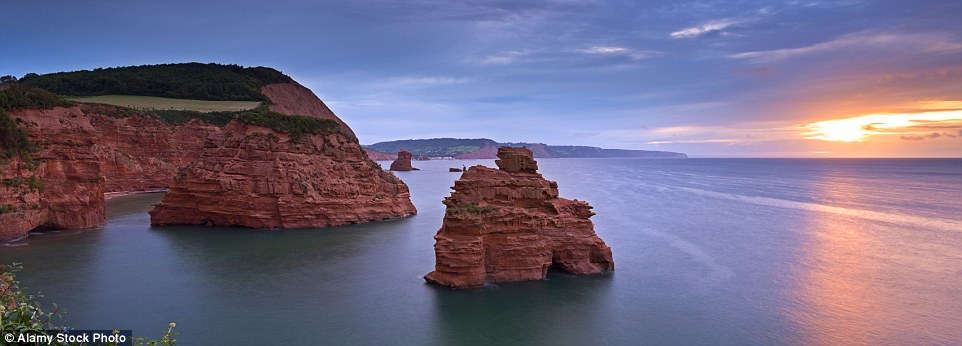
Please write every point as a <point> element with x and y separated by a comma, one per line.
<point>509,224</point>
<point>21,209</point>
<point>379,156</point>
<point>256,177</point>
<point>403,162</point>
<point>88,150</point>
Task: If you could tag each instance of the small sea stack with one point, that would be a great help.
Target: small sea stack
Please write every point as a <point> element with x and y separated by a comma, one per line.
<point>403,162</point>
<point>508,224</point>
<point>454,169</point>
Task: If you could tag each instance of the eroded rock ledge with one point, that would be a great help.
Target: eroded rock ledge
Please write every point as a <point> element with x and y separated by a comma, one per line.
<point>508,224</point>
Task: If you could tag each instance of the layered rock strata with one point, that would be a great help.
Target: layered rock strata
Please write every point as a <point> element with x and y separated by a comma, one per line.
<point>403,162</point>
<point>508,224</point>
<point>253,176</point>
<point>84,152</point>
<point>87,150</point>
<point>379,156</point>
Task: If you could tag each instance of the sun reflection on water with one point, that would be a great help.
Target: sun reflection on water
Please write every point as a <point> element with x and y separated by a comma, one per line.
<point>855,287</point>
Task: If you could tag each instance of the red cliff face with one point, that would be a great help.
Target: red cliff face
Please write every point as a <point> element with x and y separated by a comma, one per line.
<point>21,209</point>
<point>403,162</point>
<point>85,151</point>
<point>509,224</point>
<point>142,153</point>
<point>378,156</point>
<point>88,150</point>
<point>72,191</point>
<point>256,177</point>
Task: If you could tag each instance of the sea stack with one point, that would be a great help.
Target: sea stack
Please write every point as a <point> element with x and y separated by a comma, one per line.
<point>403,162</point>
<point>508,224</point>
<point>255,176</point>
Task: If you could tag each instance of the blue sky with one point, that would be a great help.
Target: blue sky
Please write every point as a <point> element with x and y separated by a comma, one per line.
<point>712,78</point>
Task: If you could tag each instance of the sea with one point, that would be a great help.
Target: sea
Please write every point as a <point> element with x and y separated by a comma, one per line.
<point>707,252</point>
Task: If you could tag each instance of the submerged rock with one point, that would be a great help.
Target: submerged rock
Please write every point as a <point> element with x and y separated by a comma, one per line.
<point>509,224</point>
<point>403,162</point>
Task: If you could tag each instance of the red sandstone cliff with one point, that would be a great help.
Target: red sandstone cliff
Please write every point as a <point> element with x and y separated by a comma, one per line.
<point>509,224</point>
<point>85,151</point>
<point>403,162</point>
<point>379,156</point>
<point>256,177</point>
<point>21,209</point>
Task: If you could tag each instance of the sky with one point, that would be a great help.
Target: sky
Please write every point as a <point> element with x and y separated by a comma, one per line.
<point>845,78</point>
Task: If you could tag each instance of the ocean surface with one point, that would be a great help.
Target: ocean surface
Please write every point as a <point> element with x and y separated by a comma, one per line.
<point>707,252</point>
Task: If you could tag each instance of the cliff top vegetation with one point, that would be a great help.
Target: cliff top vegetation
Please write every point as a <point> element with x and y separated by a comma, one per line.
<point>197,81</point>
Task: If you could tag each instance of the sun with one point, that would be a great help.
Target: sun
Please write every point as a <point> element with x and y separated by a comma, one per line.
<point>842,130</point>
<point>860,128</point>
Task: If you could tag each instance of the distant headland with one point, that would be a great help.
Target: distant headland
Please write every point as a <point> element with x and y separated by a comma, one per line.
<point>483,148</point>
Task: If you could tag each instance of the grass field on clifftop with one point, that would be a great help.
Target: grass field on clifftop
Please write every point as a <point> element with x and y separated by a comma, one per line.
<point>163,103</point>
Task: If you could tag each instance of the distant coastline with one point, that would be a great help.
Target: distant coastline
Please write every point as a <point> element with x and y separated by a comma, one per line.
<point>484,148</point>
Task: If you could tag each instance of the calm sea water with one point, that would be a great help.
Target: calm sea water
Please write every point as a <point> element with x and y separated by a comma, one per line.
<point>707,251</point>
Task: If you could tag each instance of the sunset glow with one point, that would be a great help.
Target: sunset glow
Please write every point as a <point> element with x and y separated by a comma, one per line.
<point>860,128</point>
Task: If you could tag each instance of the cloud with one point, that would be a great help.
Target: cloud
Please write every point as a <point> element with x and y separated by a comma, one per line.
<point>921,137</point>
<point>422,81</point>
<point>714,26</point>
<point>571,58</point>
<point>932,43</point>
<point>694,141</point>
<point>691,134</point>
<point>504,58</point>
<point>604,50</point>
<point>615,50</point>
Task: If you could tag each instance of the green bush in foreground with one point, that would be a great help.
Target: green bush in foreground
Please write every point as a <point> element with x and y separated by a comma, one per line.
<point>21,312</point>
